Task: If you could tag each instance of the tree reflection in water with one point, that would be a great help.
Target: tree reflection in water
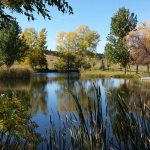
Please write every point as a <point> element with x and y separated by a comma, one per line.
<point>83,89</point>
<point>128,110</point>
<point>38,96</point>
<point>32,92</point>
<point>19,101</point>
<point>127,114</point>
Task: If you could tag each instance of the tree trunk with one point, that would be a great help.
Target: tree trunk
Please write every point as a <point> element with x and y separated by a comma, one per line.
<point>137,68</point>
<point>108,67</point>
<point>148,68</point>
<point>125,69</point>
<point>68,65</point>
<point>130,69</point>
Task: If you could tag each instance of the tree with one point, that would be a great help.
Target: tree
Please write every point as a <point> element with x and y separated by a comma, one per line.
<point>121,24</point>
<point>144,59</point>
<point>28,8</point>
<point>37,47</point>
<point>30,36</point>
<point>102,65</point>
<point>116,52</point>
<point>138,41</point>
<point>108,53</point>
<point>37,59</point>
<point>75,47</point>
<point>41,41</point>
<point>12,47</point>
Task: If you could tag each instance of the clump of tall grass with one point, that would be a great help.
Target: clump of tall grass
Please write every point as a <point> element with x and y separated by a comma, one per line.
<point>122,130</point>
<point>12,74</point>
<point>78,131</point>
<point>107,74</point>
<point>130,124</point>
<point>126,76</point>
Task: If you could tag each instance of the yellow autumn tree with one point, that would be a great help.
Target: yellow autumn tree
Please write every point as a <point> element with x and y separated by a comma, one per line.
<point>76,48</point>
<point>37,47</point>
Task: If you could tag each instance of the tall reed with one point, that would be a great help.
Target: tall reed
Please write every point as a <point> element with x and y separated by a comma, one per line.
<point>13,74</point>
<point>121,129</point>
<point>91,132</point>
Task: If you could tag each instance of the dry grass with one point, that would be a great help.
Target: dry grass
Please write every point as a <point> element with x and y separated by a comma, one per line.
<point>12,74</point>
<point>51,60</point>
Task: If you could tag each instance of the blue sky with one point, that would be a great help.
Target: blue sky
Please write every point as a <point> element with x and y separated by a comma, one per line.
<point>94,13</point>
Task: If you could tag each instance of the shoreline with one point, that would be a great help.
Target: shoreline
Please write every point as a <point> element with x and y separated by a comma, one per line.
<point>27,73</point>
<point>110,74</point>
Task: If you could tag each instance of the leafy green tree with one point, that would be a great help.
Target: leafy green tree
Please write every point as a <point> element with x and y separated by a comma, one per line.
<point>76,47</point>
<point>37,59</point>
<point>108,52</point>
<point>12,47</point>
<point>30,36</point>
<point>121,24</point>
<point>41,41</point>
<point>116,52</point>
<point>29,8</point>
<point>37,47</point>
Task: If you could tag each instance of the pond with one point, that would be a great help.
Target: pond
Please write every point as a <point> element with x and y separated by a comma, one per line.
<point>28,109</point>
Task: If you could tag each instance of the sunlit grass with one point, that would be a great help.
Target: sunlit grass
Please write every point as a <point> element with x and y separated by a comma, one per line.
<point>109,73</point>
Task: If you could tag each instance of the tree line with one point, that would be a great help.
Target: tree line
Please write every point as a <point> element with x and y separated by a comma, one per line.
<point>75,49</point>
<point>29,45</point>
<point>19,46</point>
<point>128,43</point>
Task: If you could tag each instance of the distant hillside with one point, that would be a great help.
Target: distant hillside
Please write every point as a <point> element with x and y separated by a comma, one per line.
<point>55,53</point>
<point>100,56</point>
<point>53,56</point>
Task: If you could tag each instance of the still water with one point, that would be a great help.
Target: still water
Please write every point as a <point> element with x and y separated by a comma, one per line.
<point>48,94</point>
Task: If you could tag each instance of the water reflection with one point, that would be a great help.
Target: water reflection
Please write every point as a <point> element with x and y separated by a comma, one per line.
<point>46,92</point>
<point>35,92</point>
<point>32,92</point>
<point>82,89</point>
<point>128,114</point>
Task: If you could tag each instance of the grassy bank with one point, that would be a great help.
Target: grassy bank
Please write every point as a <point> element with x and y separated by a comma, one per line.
<point>26,73</point>
<point>109,74</point>
<point>13,74</point>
